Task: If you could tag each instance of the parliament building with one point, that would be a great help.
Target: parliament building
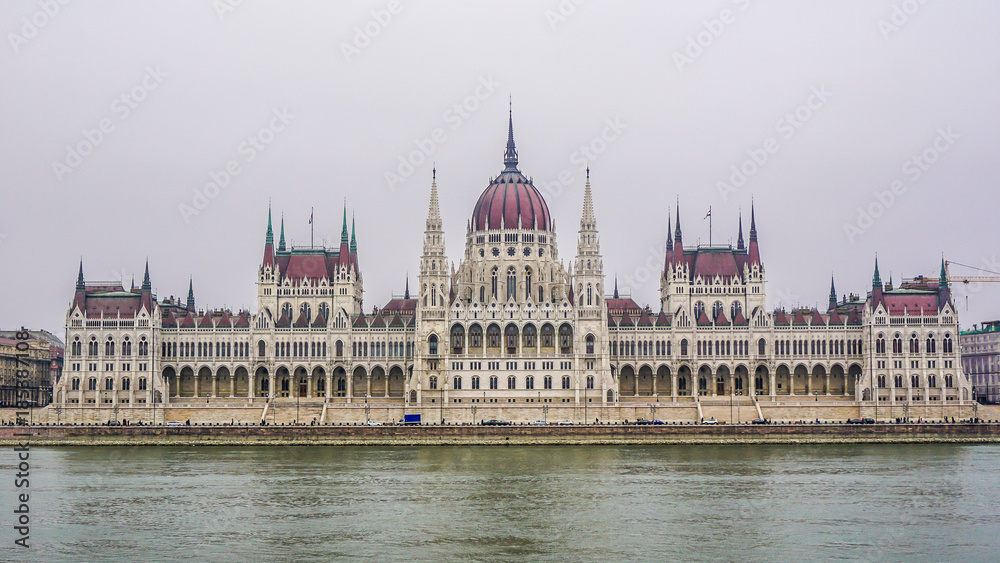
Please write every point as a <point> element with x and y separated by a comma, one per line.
<point>510,326</point>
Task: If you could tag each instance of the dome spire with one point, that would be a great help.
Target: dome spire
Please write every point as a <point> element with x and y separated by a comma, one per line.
<point>510,155</point>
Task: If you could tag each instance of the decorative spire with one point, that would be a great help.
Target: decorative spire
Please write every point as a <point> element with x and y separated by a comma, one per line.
<point>343,230</point>
<point>670,234</point>
<point>434,210</point>
<point>80,285</point>
<point>833,294</point>
<point>510,155</point>
<point>132,288</point>
<point>739,241</point>
<point>146,286</point>
<point>943,280</point>
<point>753,224</point>
<point>281,241</point>
<point>588,221</point>
<point>677,229</point>
<point>406,294</point>
<point>876,279</point>
<point>616,286</point>
<point>270,235</point>
<point>190,299</point>
<point>354,242</point>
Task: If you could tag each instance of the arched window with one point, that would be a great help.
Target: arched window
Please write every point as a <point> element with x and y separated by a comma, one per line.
<point>261,348</point>
<point>511,284</point>
<point>897,381</point>
<point>324,310</point>
<point>529,382</point>
<point>493,278</point>
<point>527,283</point>
<point>511,382</point>
<point>92,346</point>
<point>475,382</point>
<point>881,382</point>
<point>493,336</point>
<point>548,382</point>
<point>433,382</point>
<point>530,336</point>
<point>590,382</point>
<point>143,346</point>
<point>914,344</point>
<point>476,336</point>
<point>510,338</point>
<point>565,382</point>
<point>456,382</point>
<point>541,294</point>
<point>684,347</point>
<point>948,381</point>
<point>547,335</point>
<point>306,309</point>
<point>458,339</point>
<point>880,345</point>
<point>432,345</point>
<point>482,294</point>
<point>590,294</point>
<point>494,382</point>
<point>142,384</point>
<point>699,307</point>
<point>340,349</point>
<point>565,339</point>
<point>932,381</point>
<point>590,343</point>
<point>897,344</point>
<point>734,309</point>
<point>761,347</point>
<point>126,384</point>
<point>716,309</point>
<point>915,381</point>
<point>434,295</point>
<point>76,384</point>
<point>931,345</point>
<point>109,347</point>
<point>286,310</point>
<point>92,384</point>
<point>109,384</point>
<point>77,347</point>
<point>947,344</point>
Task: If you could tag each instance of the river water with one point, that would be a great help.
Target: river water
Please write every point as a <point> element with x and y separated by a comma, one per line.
<point>495,503</point>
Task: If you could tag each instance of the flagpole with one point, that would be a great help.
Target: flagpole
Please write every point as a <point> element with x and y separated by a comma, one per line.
<point>312,227</point>
<point>709,225</point>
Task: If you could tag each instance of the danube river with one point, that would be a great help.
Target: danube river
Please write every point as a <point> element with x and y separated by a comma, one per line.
<point>493,503</point>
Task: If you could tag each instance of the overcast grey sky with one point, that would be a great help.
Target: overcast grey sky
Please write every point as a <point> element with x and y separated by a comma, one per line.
<point>827,107</point>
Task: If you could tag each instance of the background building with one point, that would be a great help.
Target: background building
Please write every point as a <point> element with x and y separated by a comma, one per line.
<point>981,360</point>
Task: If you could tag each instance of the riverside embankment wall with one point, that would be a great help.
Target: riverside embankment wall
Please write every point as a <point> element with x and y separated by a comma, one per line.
<point>499,435</point>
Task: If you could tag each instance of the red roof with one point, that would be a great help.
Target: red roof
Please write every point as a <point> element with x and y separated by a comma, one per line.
<point>510,201</point>
<point>708,264</point>
<point>400,305</point>
<point>619,305</point>
<point>911,303</point>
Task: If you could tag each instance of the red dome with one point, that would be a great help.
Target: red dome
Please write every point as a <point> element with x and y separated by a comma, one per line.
<point>510,202</point>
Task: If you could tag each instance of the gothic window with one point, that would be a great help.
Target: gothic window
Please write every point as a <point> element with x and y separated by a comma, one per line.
<point>590,382</point>
<point>897,381</point>
<point>590,343</point>
<point>92,384</point>
<point>306,310</point>
<point>493,277</point>
<point>494,382</point>
<point>527,282</point>
<point>324,309</point>
<point>476,337</point>
<point>881,382</point>
<point>547,334</point>
<point>126,384</point>
<point>530,336</point>
<point>880,345</point>
<point>511,284</point>
<point>914,344</point>
<point>565,339</point>
<point>897,344</point>
<point>340,348</point>
<point>590,294</point>
<point>548,382</point>
<point>511,382</point>
<point>126,347</point>
<point>456,382</point>
<point>482,294</point>
<point>109,347</point>
<point>286,310</point>
<point>510,338</point>
<point>433,382</point>
<point>541,294</point>
<point>434,299</point>
<point>77,347</point>
<point>735,309</point>
<point>932,381</point>
<point>699,307</point>
<point>76,384</point>
<point>457,339</point>
<point>92,347</point>
<point>931,345</point>
<point>948,381</point>
<point>493,336</point>
<point>475,382</point>
<point>716,309</point>
<point>432,345</point>
<point>109,384</point>
<point>914,381</point>
<point>684,347</point>
<point>565,382</point>
<point>529,382</point>
<point>947,344</point>
<point>143,346</point>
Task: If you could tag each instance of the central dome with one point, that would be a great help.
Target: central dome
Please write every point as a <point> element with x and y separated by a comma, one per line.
<point>510,201</point>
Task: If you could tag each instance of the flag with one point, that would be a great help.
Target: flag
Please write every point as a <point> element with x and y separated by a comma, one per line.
<point>310,217</point>
<point>709,214</point>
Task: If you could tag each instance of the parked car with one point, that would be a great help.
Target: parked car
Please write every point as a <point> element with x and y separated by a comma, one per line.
<point>174,423</point>
<point>867,421</point>
<point>564,422</point>
<point>373,423</point>
<point>759,421</point>
<point>656,421</point>
<point>710,421</point>
<point>855,421</point>
<point>496,422</point>
<point>643,421</point>
<point>540,423</point>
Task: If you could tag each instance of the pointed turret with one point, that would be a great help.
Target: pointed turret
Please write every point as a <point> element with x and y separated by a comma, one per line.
<point>147,290</point>
<point>754,252</point>
<point>510,155</point>
<point>80,296</point>
<point>670,246</point>
<point>678,241</point>
<point>944,290</point>
<point>281,241</point>
<point>268,261</point>
<point>876,286</point>
<point>406,292</point>
<point>80,285</point>
<point>190,299</point>
<point>344,254</point>
<point>833,297</point>
<point>616,286</point>
<point>354,249</point>
<point>739,240</point>
<point>434,210</point>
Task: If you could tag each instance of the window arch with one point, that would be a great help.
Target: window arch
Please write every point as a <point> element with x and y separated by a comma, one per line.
<point>880,344</point>
<point>77,347</point>
<point>947,344</point>
<point>547,336</point>
<point>286,310</point>
<point>527,282</point>
<point>493,336</point>
<point>432,345</point>
<point>510,338</point>
<point>340,348</point>
<point>717,308</point>
<point>458,339</point>
<point>529,336</point>
<point>475,336</point>
<point>261,348</point>
<point>511,382</point>
<point>92,346</point>
<point>494,281</point>
<point>761,347</point>
<point>699,308</point>
<point>897,344</point>
<point>735,309</point>
<point>324,310</point>
<point>590,294</point>
<point>931,344</point>
<point>432,382</point>
<point>109,347</point>
<point>590,343</point>
<point>565,338</point>
<point>914,344</point>
<point>511,283</point>
<point>306,309</point>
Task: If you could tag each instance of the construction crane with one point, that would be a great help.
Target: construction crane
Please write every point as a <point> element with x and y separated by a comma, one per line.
<point>969,279</point>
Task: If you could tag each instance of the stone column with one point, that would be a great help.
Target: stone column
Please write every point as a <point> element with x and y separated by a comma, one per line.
<point>270,390</point>
<point>828,383</point>
<point>309,386</point>
<point>350,386</point>
<point>329,385</point>
<point>251,383</point>
<point>215,385</point>
<point>771,386</point>
<point>673,386</point>
<point>368,384</point>
<point>232,384</point>
<point>654,384</point>
<point>197,380</point>
<point>635,384</point>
